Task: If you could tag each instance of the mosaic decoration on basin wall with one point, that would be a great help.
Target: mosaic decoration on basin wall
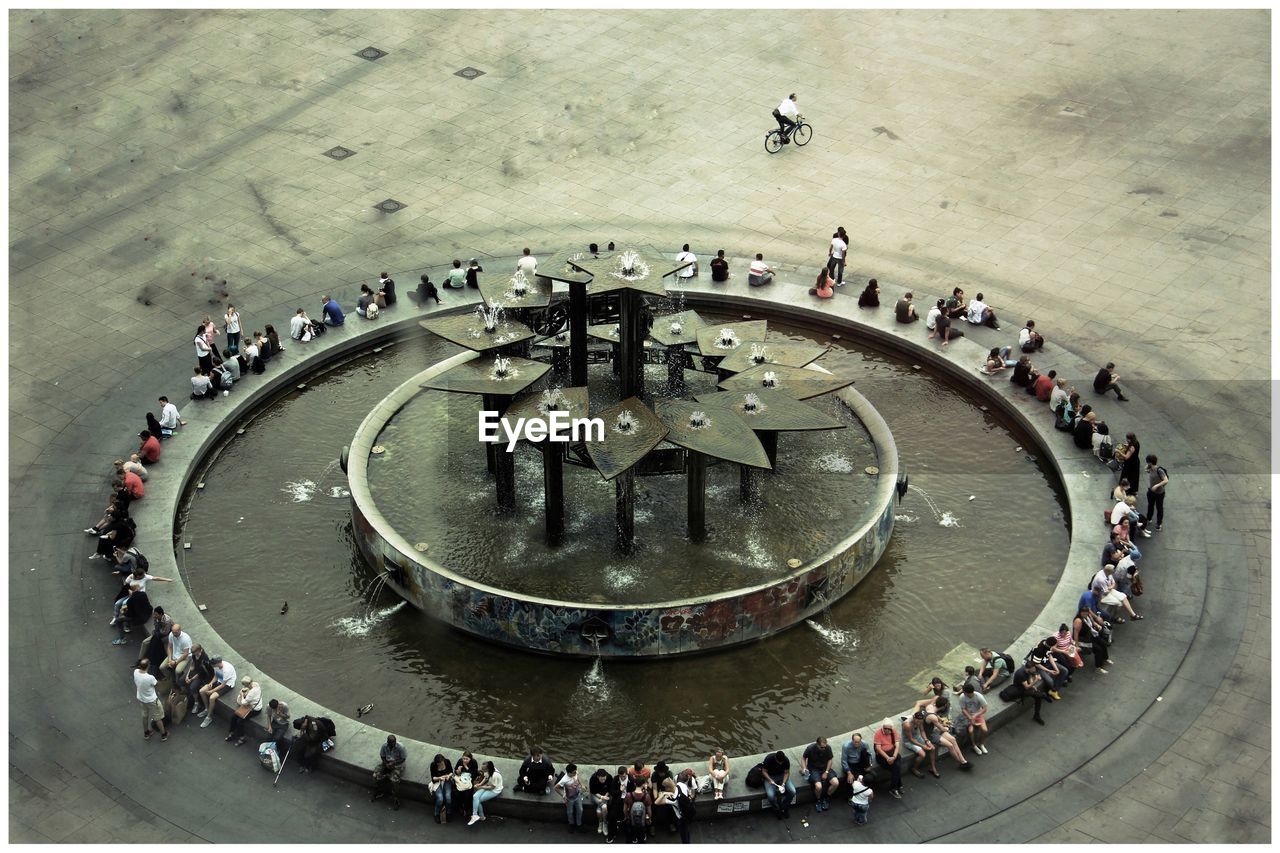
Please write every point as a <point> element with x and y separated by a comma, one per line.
<point>625,632</point>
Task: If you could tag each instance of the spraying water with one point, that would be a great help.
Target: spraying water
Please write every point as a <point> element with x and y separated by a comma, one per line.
<point>361,626</point>
<point>944,519</point>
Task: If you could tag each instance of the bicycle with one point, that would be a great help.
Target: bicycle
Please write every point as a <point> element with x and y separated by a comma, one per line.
<point>800,135</point>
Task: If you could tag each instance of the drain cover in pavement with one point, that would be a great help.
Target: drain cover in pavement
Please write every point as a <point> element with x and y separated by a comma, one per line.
<point>389,206</point>
<point>468,73</point>
<point>371,53</point>
<point>339,153</point>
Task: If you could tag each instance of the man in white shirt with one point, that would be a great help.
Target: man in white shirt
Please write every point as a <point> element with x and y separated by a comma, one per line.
<point>1105,585</point>
<point>169,420</point>
<point>761,273</point>
<point>1029,339</point>
<point>152,710</point>
<point>224,680</point>
<point>786,114</point>
<point>691,259</point>
<point>835,257</point>
<point>931,319</point>
<point>178,655</point>
<point>980,314</point>
<point>298,324</point>
<point>528,265</point>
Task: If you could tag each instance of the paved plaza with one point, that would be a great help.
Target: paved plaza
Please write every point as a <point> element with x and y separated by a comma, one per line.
<point>1105,172</point>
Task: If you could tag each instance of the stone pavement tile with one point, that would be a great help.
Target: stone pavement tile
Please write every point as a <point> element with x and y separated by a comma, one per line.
<point>1205,826</point>
<point>1068,834</point>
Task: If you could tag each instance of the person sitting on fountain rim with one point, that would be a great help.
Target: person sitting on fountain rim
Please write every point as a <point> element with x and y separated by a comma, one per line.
<point>391,759</point>
<point>760,272</point>
<point>457,277</point>
<point>535,773</point>
<point>980,314</point>
<point>778,787</point>
<point>817,768</point>
<point>955,305</point>
<point>904,311</point>
<point>855,760</point>
<point>996,667</point>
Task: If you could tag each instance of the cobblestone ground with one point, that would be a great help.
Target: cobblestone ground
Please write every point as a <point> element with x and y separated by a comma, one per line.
<point>1105,172</point>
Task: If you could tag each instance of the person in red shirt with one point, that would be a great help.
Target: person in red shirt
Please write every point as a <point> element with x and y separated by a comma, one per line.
<point>133,483</point>
<point>150,448</point>
<point>889,755</point>
<point>1043,386</point>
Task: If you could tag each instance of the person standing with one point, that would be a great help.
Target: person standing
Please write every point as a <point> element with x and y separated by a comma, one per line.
<point>152,711</point>
<point>1158,479</point>
<point>528,265</point>
<point>691,259</point>
<point>719,267</point>
<point>232,321</point>
<point>835,255</point>
<point>861,801</point>
<point>889,755</point>
<point>204,352</point>
<point>391,759</point>
<point>1129,464</point>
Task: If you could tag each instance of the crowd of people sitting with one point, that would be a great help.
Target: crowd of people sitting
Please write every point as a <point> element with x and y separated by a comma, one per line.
<point>632,802</point>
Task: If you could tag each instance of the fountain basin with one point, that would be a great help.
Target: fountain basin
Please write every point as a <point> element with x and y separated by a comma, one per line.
<point>713,619</point>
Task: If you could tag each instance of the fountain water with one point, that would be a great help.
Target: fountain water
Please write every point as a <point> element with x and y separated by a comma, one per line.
<point>519,285</point>
<point>758,353</point>
<point>726,339</point>
<point>770,379</point>
<point>490,316</point>
<point>625,423</point>
<point>944,519</point>
<point>502,368</point>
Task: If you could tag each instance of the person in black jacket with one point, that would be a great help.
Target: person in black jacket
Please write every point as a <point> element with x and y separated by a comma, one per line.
<point>427,290</point>
<point>388,288</point>
<point>535,773</point>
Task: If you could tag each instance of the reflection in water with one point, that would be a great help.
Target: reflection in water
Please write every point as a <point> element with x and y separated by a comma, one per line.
<point>931,592</point>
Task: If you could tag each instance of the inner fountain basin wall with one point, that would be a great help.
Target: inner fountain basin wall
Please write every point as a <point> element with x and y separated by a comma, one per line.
<point>649,629</point>
<point>430,483</point>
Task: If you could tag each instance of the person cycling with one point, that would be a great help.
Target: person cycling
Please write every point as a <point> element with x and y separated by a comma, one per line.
<point>786,113</point>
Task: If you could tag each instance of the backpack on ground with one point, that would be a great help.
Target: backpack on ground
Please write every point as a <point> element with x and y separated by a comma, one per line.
<point>371,311</point>
<point>755,777</point>
<point>1011,692</point>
